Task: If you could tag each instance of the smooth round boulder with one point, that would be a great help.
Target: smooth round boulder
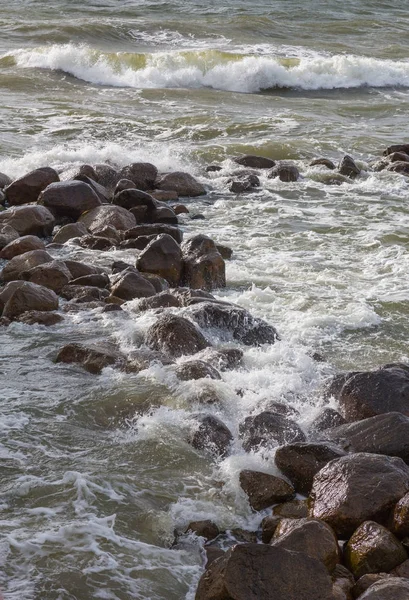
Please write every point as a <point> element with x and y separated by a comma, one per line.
<point>107,176</point>
<point>53,275</point>
<point>268,430</point>
<point>15,268</point>
<point>357,488</point>
<point>142,174</point>
<point>196,369</point>
<point>29,296</point>
<point>69,232</point>
<point>387,589</point>
<point>29,220</point>
<point>264,490</point>
<point>154,229</point>
<point>255,162</point>
<point>325,162</point>
<point>211,434</point>
<point>26,189</point>
<point>262,572</point>
<point>285,172</point>
<point>26,243</point>
<point>79,269</point>
<point>129,285</point>
<point>69,198</point>
<point>327,418</point>
<point>163,257</point>
<point>206,529</point>
<point>348,167</point>
<point>183,184</point>
<point>203,265</point>
<point>175,336</point>
<point>92,358</point>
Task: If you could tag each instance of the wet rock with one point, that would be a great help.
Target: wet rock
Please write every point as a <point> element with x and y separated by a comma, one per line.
<point>261,572</point>
<point>310,536</point>
<point>225,252</point>
<point>164,195</point>
<point>138,243</point>
<point>203,265</point>
<point>108,215</point>
<point>285,172</point>
<point>133,198</point>
<point>37,317</point>
<point>399,167</point>
<point>198,217</point>
<point>142,214</point>
<point>100,280</point>
<point>212,435</point>
<point>154,229</point>
<point>92,358</point>
<point>69,198</point>
<point>5,180</point>
<point>268,527</point>
<point>188,296</point>
<point>255,162</point>
<point>82,293</point>
<point>213,169</point>
<point>373,549</point>
<point>102,193</point>
<point>245,184</point>
<point>68,232</point>
<point>164,214</point>
<point>53,275</point>
<point>348,167</point>
<point>294,509</point>
<point>7,235</point>
<point>366,581</point>
<point>82,170</point>
<point>397,148</point>
<point>24,262</point>
<point>398,156</point>
<point>399,521</point>
<point>327,418</point>
<point>206,529</point>
<point>180,209</point>
<point>401,570</point>
<point>222,359</point>
<point>161,300</point>
<point>107,176</point>
<point>269,430</point>
<point>175,336</point>
<point>22,245</point>
<point>264,490</point>
<point>94,242</point>
<point>79,269</point>
<point>130,285</point>
<point>29,296</point>
<point>124,184</point>
<point>364,395</point>
<point>343,582</point>
<point>234,321</point>
<point>301,461</point>
<point>285,410</point>
<point>142,174</point>
<point>163,257</point>
<point>29,220</point>
<point>159,283</point>
<point>196,369</point>
<point>182,183</point>
<point>325,162</point>
<point>27,188</point>
<point>356,488</point>
<point>109,233</point>
<point>212,553</point>
<point>383,434</point>
<point>387,589</point>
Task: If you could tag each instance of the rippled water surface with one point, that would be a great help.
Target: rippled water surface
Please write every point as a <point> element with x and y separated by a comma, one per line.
<point>96,473</point>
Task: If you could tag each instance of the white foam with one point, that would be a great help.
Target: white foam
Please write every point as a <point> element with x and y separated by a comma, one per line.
<point>209,68</point>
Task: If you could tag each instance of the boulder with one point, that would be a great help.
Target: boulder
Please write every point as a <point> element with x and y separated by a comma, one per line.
<point>29,220</point>
<point>7,235</point>
<point>68,232</point>
<point>161,300</point>
<point>371,393</point>
<point>180,209</point>
<point>175,336</point>
<point>196,369</point>
<point>124,184</point>
<point>110,233</point>
<point>107,176</point>
<point>154,229</point>
<point>211,434</point>
<point>268,527</point>
<point>163,257</point>
<point>401,570</point>
<point>348,167</point>
<point>92,358</point>
<point>24,262</point>
<point>264,490</point>
<point>285,172</point>
<point>373,549</point>
<point>294,509</point>
<point>206,529</point>
<point>100,280</point>
<point>129,285</point>
<point>83,293</point>
<point>79,269</point>
<point>164,195</point>
<point>76,172</point>
<point>301,461</point>
<point>398,157</point>
<point>356,488</point>
<point>261,572</point>
<point>366,581</point>
<point>69,198</point>
<point>399,520</point>
<point>255,162</point>
<point>268,430</point>
<point>401,166</point>
<point>181,183</point>
<point>397,148</point>
<point>29,296</point>
<point>383,434</point>
<point>224,251</point>
<point>22,245</point>
<point>187,296</point>
<point>222,359</point>
<point>387,589</point>
<point>326,419</point>
<point>108,215</point>
<point>234,322</point>
<point>325,162</point>
<point>38,317</point>
<point>134,198</point>
<point>143,175</point>
<point>27,188</point>
<point>244,184</point>
<point>95,242</point>
<point>53,275</point>
<point>310,536</point>
<point>5,180</point>
<point>102,193</point>
<point>203,265</point>
<point>164,214</point>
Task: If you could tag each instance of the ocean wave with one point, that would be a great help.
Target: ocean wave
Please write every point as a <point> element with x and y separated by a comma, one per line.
<point>215,69</point>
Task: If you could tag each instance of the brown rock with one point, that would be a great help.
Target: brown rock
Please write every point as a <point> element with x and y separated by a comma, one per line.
<point>387,589</point>
<point>356,488</point>
<point>322,161</point>
<point>53,275</point>
<point>399,167</point>
<point>154,229</point>
<point>29,296</point>
<point>109,232</point>
<point>130,285</point>
<point>268,527</point>
<point>37,317</point>
<point>161,300</point>
<point>27,188</point>
<point>108,215</point>
<point>70,231</point>
<point>327,418</point>
<point>204,267</point>
<point>143,175</point>
<point>107,176</point>
<point>181,183</point>
<point>4,180</point>
<point>255,162</point>
<point>124,184</point>
<point>206,529</point>
<point>373,549</point>
<point>397,148</point>
<point>163,257</point>
<point>301,461</point>
<point>100,280</point>
<point>261,572</point>
<point>225,252</point>
<point>222,359</point>
<point>24,262</point>
<point>7,235</point>
<point>212,553</point>
<point>94,242</point>
<point>310,536</point>
<point>211,435</point>
<point>79,269</point>
<point>268,429</point>
<point>134,198</point>
<point>92,358</point>
<point>82,293</point>
<point>164,214</point>
<point>175,336</point>
<point>22,245</point>
<point>285,172</point>
<point>103,194</point>
<point>264,490</point>
<point>401,570</point>
<point>180,209</point>
<point>69,198</point>
<point>366,581</point>
<point>196,369</point>
<point>29,220</point>
<point>294,509</point>
<point>399,522</point>
<point>398,156</point>
<point>348,167</point>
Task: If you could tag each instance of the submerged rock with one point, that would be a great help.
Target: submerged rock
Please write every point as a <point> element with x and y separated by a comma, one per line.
<point>325,162</point>
<point>255,162</point>
<point>212,435</point>
<point>285,172</point>
<point>348,167</point>
<point>206,529</point>
<point>92,358</point>
<point>196,369</point>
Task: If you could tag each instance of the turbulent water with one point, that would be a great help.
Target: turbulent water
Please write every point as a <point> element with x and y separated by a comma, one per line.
<point>96,473</point>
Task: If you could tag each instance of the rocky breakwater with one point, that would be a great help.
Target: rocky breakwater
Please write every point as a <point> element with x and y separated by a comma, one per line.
<point>334,521</point>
